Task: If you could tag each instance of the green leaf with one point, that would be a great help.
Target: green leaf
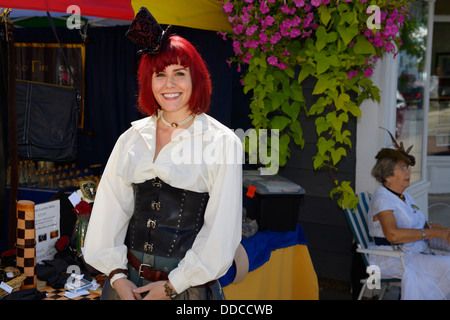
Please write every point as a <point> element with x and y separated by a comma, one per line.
<point>297,92</point>
<point>341,101</point>
<point>363,46</point>
<point>297,133</point>
<point>305,72</point>
<point>279,122</point>
<point>322,84</point>
<point>325,15</point>
<point>335,121</point>
<point>324,146</point>
<point>337,154</point>
<point>277,99</point>
<point>322,125</point>
<point>292,110</point>
<point>347,33</point>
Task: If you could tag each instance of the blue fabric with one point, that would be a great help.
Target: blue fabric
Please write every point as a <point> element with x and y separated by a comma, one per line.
<point>260,247</point>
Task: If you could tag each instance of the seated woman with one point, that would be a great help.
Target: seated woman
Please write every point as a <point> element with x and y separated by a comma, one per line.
<point>396,223</point>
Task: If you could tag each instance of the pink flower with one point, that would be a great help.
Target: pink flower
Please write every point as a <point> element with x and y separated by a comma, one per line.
<point>316,3</point>
<point>247,57</point>
<point>368,72</point>
<point>275,38</point>
<point>238,29</point>
<point>295,33</point>
<point>223,34</point>
<point>263,37</point>
<point>251,30</point>
<point>389,47</point>
<point>308,19</point>
<point>351,74</point>
<point>285,9</point>
<point>299,3</point>
<point>250,44</point>
<point>269,20</point>
<point>228,7</point>
<point>237,48</point>
<point>273,61</point>
<point>264,7</point>
<point>282,66</point>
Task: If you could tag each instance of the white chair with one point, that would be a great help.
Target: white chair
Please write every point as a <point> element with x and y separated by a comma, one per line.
<point>358,224</point>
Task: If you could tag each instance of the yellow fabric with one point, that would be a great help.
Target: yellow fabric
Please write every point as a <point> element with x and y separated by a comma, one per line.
<point>199,14</point>
<point>288,275</point>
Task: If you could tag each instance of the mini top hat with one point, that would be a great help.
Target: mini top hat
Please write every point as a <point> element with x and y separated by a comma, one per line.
<point>397,153</point>
<point>146,32</point>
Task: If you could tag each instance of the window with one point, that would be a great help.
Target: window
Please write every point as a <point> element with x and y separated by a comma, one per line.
<point>439,114</point>
<point>410,85</point>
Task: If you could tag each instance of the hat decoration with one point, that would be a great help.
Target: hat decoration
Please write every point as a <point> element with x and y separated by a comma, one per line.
<point>398,153</point>
<point>146,32</point>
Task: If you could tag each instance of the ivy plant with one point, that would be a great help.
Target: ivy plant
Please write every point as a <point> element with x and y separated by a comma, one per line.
<point>336,43</point>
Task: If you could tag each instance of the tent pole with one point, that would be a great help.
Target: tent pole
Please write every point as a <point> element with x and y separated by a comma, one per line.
<point>12,119</point>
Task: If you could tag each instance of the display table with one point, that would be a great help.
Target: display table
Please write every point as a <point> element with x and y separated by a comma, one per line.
<point>280,268</point>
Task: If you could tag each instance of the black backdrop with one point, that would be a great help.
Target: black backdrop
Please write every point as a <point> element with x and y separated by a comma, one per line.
<point>110,83</point>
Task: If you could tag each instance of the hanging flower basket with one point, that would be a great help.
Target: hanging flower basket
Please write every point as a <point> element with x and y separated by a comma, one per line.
<point>337,43</point>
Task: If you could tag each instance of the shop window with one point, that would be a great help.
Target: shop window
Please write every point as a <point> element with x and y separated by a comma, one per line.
<point>410,85</point>
<point>439,115</point>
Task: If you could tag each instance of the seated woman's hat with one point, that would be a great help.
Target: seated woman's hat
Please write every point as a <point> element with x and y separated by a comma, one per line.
<point>146,32</point>
<point>398,153</point>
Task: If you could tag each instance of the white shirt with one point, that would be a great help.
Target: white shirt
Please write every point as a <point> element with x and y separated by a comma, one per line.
<point>407,215</point>
<point>206,157</point>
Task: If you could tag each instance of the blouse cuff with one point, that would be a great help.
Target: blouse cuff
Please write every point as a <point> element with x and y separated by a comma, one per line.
<point>116,277</point>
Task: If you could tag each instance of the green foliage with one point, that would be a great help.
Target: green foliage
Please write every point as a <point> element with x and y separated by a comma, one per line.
<point>336,48</point>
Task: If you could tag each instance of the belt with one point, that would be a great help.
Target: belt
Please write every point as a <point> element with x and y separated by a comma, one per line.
<point>380,241</point>
<point>149,273</point>
<point>146,271</point>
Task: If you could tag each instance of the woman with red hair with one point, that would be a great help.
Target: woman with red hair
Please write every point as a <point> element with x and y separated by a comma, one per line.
<point>167,215</point>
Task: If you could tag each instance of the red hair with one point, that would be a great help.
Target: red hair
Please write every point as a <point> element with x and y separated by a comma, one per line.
<point>176,51</point>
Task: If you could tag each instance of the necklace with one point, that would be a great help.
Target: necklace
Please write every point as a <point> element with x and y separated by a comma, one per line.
<point>175,124</point>
<point>401,196</point>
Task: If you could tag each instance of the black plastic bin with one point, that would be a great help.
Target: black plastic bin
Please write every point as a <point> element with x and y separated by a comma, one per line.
<point>272,200</point>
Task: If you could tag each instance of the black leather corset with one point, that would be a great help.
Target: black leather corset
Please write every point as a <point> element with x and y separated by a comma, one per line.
<point>166,219</point>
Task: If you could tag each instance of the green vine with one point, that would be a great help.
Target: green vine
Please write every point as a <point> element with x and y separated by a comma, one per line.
<point>334,42</point>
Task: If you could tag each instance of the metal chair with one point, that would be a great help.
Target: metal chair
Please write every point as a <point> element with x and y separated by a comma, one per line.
<point>358,224</point>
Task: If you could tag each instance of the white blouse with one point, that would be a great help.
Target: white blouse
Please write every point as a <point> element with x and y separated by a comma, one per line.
<point>206,157</point>
<point>407,215</point>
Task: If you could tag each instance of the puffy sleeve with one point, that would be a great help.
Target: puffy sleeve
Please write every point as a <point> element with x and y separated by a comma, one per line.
<point>213,250</point>
<point>104,244</point>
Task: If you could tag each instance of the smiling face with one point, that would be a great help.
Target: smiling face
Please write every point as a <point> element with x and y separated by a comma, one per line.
<point>172,88</point>
<point>400,180</point>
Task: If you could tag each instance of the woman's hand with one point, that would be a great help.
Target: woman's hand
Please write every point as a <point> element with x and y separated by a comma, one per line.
<point>124,289</point>
<point>156,291</point>
<point>442,233</point>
